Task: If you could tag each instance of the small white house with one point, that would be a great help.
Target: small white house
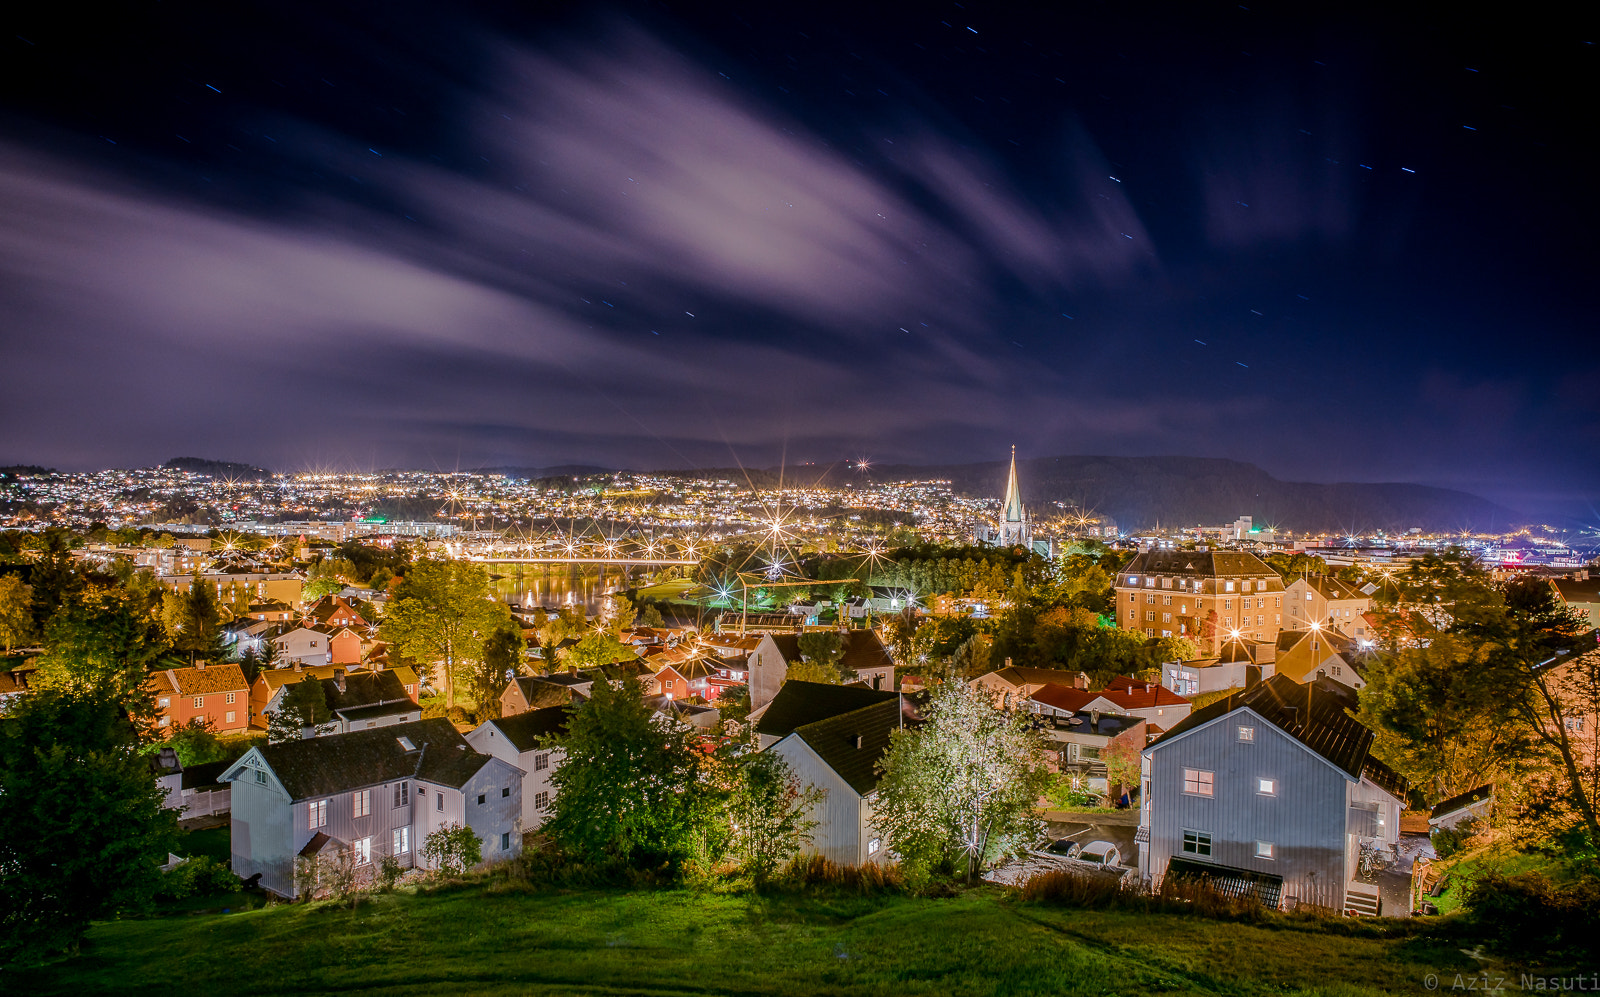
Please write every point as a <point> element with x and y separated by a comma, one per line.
<point>303,646</point>
<point>516,740</point>
<point>840,755</point>
<point>366,795</point>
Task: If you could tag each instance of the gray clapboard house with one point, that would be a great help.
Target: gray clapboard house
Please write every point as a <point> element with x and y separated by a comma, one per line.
<point>367,794</point>
<point>840,754</point>
<point>1273,790</point>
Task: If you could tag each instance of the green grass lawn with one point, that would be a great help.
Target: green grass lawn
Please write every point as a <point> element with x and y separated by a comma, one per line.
<point>668,591</point>
<point>477,940</point>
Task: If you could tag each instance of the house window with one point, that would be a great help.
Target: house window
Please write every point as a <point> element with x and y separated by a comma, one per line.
<point>402,794</point>
<point>261,777</point>
<point>438,802</point>
<point>505,791</point>
<point>361,850</point>
<point>1196,843</point>
<point>361,803</point>
<point>1227,587</point>
<point>317,815</point>
<point>541,761</point>
<point>874,845</point>
<point>1264,850</point>
<point>1166,600</point>
<point>1199,782</point>
<point>1227,604</point>
<point>1245,733</point>
<point>1267,787</point>
<point>229,698</point>
<point>401,841</point>
<point>166,701</point>
<point>1574,724</point>
<point>1150,599</point>
<point>231,715</point>
<point>480,799</point>
<point>199,702</point>
<point>541,802</point>
<point>505,841</point>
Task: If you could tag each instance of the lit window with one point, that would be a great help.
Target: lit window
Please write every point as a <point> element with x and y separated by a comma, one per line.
<point>166,701</point>
<point>361,850</point>
<point>401,841</point>
<point>199,702</point>
<point>1197,842</point>
<point>1264,850</point>
<point>361,803</point>
<point>438,801</point>
<point>1246,733</point>
<point>874,845</point>
<point>231,715</point>
<point>317,815</point>
<point>1227,587</point>
<point>402,795</point>
<point>1267,787</point>
<point>1199,782</point>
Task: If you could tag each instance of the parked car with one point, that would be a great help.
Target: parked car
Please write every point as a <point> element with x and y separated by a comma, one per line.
<point>1099,853</point>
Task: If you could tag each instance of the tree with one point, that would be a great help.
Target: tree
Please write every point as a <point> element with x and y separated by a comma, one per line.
<point>304,704</point>
<point>443,611</point>
<point>1121,758</point>
<point>82,827</point>
<point>317,587</point>
<point>634,787</point>
<point>501,660</point>
<point>193,619</point>
<point>963,785</point>
<point>452,849</point>
<point>972,659</point>
<point>96,639</point>
<point>820,652</point>
<point>622,614</point>
<point>16,612</point>
<point>597,648</point>
<point>769,813</point>
<point>195,742</point>
<point>652,617</point>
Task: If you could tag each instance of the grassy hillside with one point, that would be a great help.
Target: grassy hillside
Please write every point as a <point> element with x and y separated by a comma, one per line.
<point>479,940</point>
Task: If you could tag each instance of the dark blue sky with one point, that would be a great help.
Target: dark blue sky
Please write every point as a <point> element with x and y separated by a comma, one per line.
<point>1342,245</point>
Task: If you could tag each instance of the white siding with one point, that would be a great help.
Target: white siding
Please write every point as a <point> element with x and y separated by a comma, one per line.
<point>842,816</point>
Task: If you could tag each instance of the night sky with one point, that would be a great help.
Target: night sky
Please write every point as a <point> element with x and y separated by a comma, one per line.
<point>1343,246</point>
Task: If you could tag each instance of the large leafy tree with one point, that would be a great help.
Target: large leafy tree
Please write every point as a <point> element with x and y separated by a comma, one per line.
<point>193,619</point>
<point>82,829</point>
<point>501,660</point>
<point>443,612</point>
<point>962,786</point>
<point>820,653</point>
<point>635,787</point>
<point>16,612</point>
<point>98,640</point>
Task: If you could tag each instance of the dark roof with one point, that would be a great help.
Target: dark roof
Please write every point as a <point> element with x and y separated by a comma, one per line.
<point>524,730</point>
<point>1462,801</point>
<point>788,646</point>
<point>364,689</point>
<point>339,763</point>
<point>205,775</point>
<point>864,650</point>
<point>1206,563</point>
<point>801,703</point>
<point>1578,590</point>
<point>396,708</point>
<point>1315,715</point>
<point>1330,587</point>
<point>853,743</point>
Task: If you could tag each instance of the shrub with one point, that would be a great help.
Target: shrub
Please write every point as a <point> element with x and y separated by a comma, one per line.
<point>1453,841</point>
<point>201,876</point>
<point>815,874</point>
<point>389,873</point>
<point>1530,913</point>
<point>1176,894</point>
<point>452,849</point>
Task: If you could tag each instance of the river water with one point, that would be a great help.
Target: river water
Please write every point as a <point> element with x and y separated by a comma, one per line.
<point>553,585</point>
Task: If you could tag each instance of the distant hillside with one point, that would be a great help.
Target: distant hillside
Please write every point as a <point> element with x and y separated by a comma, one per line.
<point>218,468</point>
<point>536,473</point>
<point>1140,492</point>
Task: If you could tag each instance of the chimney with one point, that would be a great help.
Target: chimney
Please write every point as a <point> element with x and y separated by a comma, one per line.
<point>168,757</point>
<point>572,670</point>
<point>200,666</point>
<point>297,666</point>
<point>338,679</point>
<point>1008,662</point>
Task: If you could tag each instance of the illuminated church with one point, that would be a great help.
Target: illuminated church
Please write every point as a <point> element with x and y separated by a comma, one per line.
<point>1014,527</point>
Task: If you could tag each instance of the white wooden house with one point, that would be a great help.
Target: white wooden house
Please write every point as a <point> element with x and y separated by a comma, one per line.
<point>517,740</point>
<point>366,795</point>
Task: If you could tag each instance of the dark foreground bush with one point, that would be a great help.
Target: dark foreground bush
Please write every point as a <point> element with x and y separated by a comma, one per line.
<point>1177,894</point>
<point>1530,913</point>
<point>201,876</point>
<point>815,874</point>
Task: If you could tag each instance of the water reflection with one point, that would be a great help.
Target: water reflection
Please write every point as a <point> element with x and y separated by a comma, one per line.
<point>552,585</point>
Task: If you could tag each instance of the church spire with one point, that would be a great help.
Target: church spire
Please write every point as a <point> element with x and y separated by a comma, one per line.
<point>1012,510</point>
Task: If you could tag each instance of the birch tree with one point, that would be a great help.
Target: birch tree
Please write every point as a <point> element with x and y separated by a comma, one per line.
<point>962,787</point>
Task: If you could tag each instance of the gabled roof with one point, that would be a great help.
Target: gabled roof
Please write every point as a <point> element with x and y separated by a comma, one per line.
<point>1330,587</point>
<point>800,703</point>
<point>524,730</point>
<point>364,689</point>
<point>853,743</point>
<point>196,681</point>
<point>1132,694</point>
<point>1315,715</point>
<point>339,763</point>
<point>539,690</point>
<point>1063,697</point>
<point>1336,641</point>
<point>1578,590</point>
<point>1017,675</point>
<point>864,651</point>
